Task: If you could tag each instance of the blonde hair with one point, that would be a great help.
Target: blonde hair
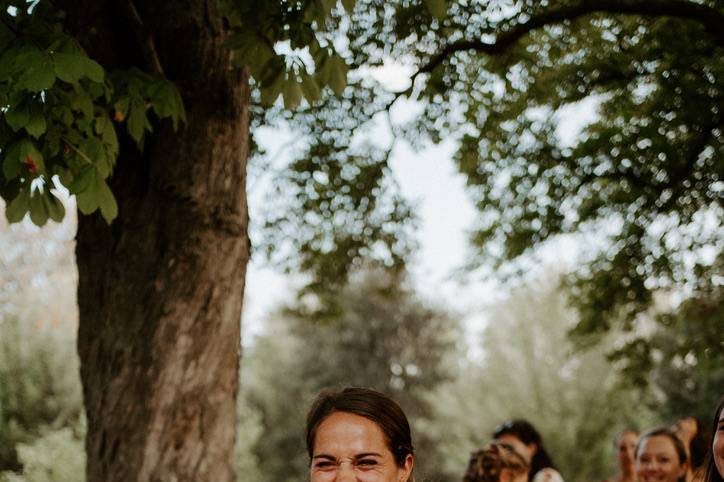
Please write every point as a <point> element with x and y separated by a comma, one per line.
<point>487,464</point>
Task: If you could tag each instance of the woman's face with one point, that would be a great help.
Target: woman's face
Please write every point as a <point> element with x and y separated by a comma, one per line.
<point>657,460</point>
<point>626,447</point>
<point>717,448</point>
<point>349,448</point>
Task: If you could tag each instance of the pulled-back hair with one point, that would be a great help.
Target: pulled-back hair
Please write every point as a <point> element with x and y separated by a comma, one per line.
<point>367,403</point>
<point>487,464</point>
<point>526,433</point>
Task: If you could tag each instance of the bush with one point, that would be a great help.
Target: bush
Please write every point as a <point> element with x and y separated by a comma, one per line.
<point>40,391</point>
<point>57,456</point>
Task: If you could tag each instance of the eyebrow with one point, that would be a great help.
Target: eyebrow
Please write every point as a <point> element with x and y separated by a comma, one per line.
<point>367,454</point>
<point>323,456</point>
<point>358,456</point>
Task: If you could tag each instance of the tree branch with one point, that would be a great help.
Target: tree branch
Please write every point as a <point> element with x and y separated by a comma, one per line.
<point>710,18</point>
<point>146,40</point>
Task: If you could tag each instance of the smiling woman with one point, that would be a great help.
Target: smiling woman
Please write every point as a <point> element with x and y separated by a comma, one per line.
<point>661,457</point>
<point>358,434</point>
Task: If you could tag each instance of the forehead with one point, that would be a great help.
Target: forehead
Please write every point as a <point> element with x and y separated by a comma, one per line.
<point>658,444</point>
<point>346,434</point>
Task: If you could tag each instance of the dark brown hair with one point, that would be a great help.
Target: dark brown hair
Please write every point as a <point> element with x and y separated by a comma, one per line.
<point>671,435</point>
<point>712,474</point>
<point>526,433</point>
<point>367,403</point>
<point>487,464</point>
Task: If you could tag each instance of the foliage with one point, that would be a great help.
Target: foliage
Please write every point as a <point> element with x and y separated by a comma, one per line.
<point>383,338</point>
<point>248,433</point>
<point>645,177</point>
<point>530,369</point>
<point>59,106</point>
<point>58,113</point>
<point>682,359</point>
<point>39,383</point>
<point>57,456</point>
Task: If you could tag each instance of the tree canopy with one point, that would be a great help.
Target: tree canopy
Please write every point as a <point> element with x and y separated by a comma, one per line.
<point>641,184</point>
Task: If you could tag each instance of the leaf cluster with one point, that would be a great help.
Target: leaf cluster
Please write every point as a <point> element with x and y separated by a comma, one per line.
<point>60,115</point>
<point>288,47</point>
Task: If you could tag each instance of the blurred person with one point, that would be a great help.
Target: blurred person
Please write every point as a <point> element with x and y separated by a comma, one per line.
<point>526,440</point>
<point>625,445</point>
<point>695,435</point>
<point>497,462</point>
<point>661,457</point>
<point>714,471</point>
<point>358,434</point>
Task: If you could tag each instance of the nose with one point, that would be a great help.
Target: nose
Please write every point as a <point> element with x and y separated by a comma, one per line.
<point>345,473</point>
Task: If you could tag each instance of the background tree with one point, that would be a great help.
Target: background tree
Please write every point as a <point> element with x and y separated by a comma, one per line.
<point>383,337</point>
<point>529,368</point>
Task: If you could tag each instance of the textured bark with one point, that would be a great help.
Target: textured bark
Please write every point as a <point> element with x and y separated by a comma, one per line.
<point>160,290</point>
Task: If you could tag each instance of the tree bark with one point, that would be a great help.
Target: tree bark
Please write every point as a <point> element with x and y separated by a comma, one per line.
<point>160,290</point>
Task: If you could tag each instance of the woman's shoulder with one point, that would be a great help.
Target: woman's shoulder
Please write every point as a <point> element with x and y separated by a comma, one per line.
<point>547,474</point>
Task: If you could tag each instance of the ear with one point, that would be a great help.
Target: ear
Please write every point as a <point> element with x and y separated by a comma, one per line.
<point>684,469</point>
<point>533,447</point>
<point>406,469</point>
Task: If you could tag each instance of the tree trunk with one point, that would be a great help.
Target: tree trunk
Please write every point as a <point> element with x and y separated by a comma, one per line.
<point>160,290</point>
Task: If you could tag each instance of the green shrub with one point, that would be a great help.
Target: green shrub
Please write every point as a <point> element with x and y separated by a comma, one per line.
<point>40,389</point>
<point>57,456</point>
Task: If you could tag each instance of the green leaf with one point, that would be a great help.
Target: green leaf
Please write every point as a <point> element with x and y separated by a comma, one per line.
<point>36,125</point>
<point>438,8</point>
<point>17,208</point>
<point>337,74</point>
<point>137,121</point>
<point>38,72</point>
<point>271,91</point>
<point>71,67</point>
<point>348,5</point>
<point>22,155</point>
<point>38,209</point>
<point>82,102</point>
<point>310,88</point>
<point>95,194</point>
<point>166,101</point>
<point>82,182</point>
<point>104,128</point>
<point>122,106</point>
<point>18,117</point>
<point>54,207</point>
<point>292,94</point>
<point>106,201</point>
